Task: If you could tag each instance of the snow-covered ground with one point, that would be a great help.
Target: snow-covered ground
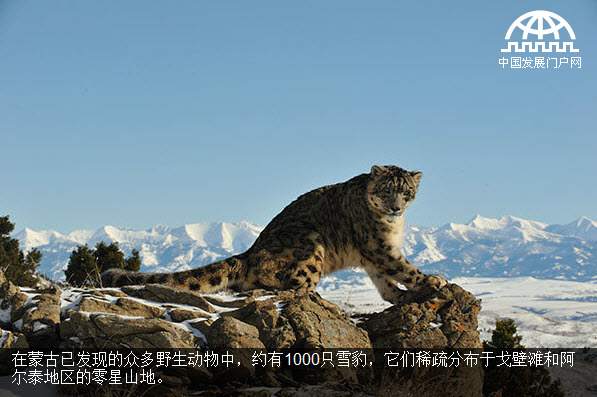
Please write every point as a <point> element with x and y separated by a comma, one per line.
<point>548,313</point>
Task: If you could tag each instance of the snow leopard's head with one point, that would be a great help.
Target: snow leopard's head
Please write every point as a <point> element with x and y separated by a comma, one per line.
<point>391,189</point>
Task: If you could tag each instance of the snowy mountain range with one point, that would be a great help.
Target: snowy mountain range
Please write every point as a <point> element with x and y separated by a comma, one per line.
<point>162,248</point>
<point>483,247</point>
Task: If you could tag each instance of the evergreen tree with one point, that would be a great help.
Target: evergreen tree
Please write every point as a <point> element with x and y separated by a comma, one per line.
<point>504,336</point>
<point>17,267</point>
<point>86,265</point>
<point>133,262</point>
<point>516,381</point>
<point>82,267</point>
<point>6,226</point>
<point>108,256</point>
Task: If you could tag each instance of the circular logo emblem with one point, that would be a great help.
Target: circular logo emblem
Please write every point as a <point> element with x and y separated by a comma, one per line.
<point>547,23</point>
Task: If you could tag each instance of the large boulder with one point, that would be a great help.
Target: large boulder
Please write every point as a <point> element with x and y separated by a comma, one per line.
<point>230,333</point>
<point>446,319</point>
<point>318,324</point>
<point>275,330</point>
<point>293,320</point>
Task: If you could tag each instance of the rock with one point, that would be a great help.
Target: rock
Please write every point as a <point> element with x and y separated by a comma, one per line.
<point>446,319</point>
<point>202,326</point>
<point>228,332</point>
<point>164,293</point>
<point>67,329</point>
<point>301,321</point>
<point>7,288</point>
<point>274,330</point>
<point>451,322</point>
<point>111,331</point>
<point>114,292</point>
<point>17,304</point>
<point>41,317</point>
<point>92,305</point>
<point>237,303</point>
<point>260,314</point>
<point>12,340</point>
<point>134,308</point>
<point>319,324</point>
<point>199,375</point>
<point>9,342</point>
<point>459,316</point>
<point>180,315</point>
<point>125,306</point>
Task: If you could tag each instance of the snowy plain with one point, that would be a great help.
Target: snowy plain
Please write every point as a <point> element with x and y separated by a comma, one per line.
<point>548,313</point>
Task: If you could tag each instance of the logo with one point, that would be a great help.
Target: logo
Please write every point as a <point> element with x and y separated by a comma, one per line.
<point>540,32</point>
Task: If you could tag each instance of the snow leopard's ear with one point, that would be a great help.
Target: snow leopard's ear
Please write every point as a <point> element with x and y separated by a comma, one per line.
<point>377,170</point>
<point>417,176</point>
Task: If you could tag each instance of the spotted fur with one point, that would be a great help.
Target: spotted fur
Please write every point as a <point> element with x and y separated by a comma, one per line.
<point>357,223</point>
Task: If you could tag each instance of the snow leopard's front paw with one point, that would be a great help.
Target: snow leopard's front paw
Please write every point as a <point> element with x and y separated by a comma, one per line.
<point>435,281</point>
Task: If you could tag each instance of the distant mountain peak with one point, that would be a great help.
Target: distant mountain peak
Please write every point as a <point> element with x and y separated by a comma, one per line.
<point>584,227</point>
<point>481,222</point>
<point>586,222</point>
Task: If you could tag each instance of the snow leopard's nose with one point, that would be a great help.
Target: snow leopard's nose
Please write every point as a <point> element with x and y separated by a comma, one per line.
<point>395,208</point>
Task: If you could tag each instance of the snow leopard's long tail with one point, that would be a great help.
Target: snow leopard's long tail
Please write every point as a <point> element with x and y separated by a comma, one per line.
<point>210,278</point>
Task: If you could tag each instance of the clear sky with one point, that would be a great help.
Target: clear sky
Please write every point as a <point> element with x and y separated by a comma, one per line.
<point>136,113</point>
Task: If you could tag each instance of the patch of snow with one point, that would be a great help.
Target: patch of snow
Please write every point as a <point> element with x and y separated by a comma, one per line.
<point>279,306</point>
<point>265,297</point>
<point>38,326</point>
<point>69,300</point>
<point>5,315</point>
<point>225,296</point>
<point>186,325</point>
<point>123,316</point>
<point>3,337</point>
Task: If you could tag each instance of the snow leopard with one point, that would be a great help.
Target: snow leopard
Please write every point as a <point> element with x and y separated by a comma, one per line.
<point>357,223</point>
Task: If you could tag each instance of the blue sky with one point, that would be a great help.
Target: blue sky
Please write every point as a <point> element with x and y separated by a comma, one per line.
<point>135,113</point>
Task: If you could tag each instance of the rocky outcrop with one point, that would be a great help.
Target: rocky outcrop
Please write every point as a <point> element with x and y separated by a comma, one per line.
<point>157,316</point>
<point>113,331</point>
<point>448,320</point>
